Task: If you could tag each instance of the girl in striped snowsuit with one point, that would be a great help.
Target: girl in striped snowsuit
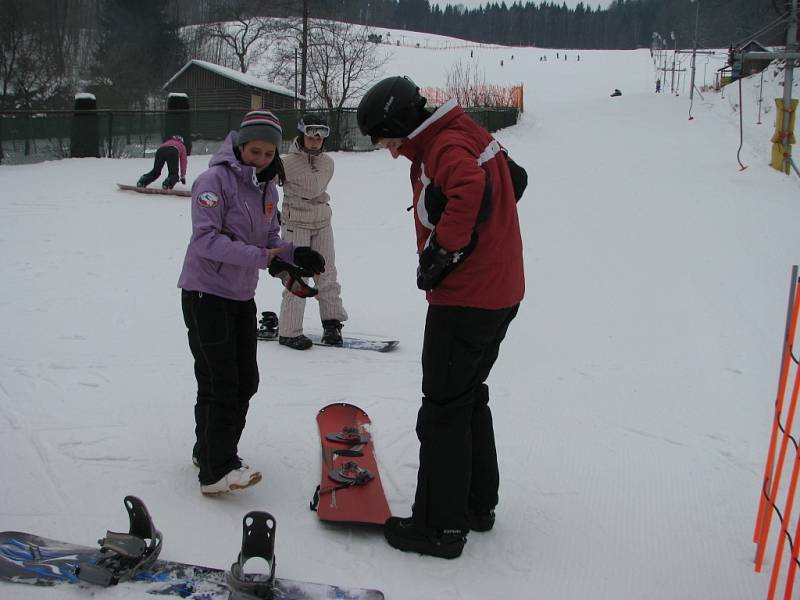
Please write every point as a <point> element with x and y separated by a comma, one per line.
<point>306,221</point>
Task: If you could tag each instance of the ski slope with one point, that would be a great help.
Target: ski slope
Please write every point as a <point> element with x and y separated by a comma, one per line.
<point>632,398</point>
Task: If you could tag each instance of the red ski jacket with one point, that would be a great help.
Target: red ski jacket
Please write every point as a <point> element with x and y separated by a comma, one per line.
<point>461,185</point>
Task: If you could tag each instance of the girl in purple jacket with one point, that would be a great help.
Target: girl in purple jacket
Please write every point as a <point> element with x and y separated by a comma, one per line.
<point>235,232</point>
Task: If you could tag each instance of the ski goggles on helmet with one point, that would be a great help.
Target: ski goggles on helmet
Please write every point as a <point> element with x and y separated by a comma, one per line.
<point>316,131</point>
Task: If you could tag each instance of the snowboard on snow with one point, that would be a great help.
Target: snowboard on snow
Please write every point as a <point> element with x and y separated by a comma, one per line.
<point>154,190</point>
<point>131,562</point>
<point>268,331</point>
<point>350,487</point>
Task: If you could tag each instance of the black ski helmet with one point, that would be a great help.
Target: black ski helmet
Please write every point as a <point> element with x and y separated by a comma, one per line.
<point>391,108</point>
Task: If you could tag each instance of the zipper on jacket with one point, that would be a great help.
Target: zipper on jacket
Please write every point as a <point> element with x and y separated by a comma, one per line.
<point>249,216</point>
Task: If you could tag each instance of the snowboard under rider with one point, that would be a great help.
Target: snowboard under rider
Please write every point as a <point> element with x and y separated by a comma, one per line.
<point>235,232</point>
<point>470,266</point>
<point>306,221</point>
<point>172,152</point>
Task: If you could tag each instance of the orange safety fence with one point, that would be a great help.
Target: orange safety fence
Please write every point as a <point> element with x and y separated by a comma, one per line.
<point>480,96</point>
<point>775,463</point>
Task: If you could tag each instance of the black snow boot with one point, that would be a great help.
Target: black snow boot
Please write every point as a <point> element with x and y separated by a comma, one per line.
<point>268,326</point>
<point>407,535</point>
<point>480,520</point>
<point>299,342</point>
<point>332,332</point>
<point>170,182</point>
<point>144,181</point>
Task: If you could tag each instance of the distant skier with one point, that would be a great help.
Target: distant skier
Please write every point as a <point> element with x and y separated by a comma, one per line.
<point>172,152</point>
<point>616,93</point>
<point>658,86</point>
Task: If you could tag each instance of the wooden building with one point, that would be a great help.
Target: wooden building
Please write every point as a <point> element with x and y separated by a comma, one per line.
<point>750,66</point>
<point>211,86</point>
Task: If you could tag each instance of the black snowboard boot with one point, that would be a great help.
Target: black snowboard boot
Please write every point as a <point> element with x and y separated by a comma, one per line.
<point>170,182</point>
<point>268,326</point>
<point>144,181</point>
<point>299,342</point>
<point>480,520</point>
<point>406,535</point>
<point>332,332</point>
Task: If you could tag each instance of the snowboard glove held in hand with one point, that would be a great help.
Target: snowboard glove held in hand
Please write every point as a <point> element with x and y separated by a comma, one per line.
<point>291,277</point>
<point>436,263</point>
<point>311,260</point>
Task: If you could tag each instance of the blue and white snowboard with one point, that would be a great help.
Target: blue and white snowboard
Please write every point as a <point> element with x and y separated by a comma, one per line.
<point>350,343</point>
<point>268,331</point>
<point>30,559</point>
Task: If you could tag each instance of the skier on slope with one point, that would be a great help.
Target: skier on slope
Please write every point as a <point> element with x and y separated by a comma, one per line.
<point>470,265</point>
<point>306,220</point>
<point>171,152</point>
<point>235,232</point>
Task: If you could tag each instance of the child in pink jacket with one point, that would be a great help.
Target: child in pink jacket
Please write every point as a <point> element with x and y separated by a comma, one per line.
<point>171,152</point>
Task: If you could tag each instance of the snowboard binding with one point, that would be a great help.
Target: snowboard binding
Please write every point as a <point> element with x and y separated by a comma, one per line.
<point>350,474</point>
<point>258,541</point>
<point>268,326</point>
<point>124,554</point>
<point>351,436</point>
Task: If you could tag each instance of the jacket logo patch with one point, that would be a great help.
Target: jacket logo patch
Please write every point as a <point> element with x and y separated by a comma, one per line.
<point>269,207</point>
<point>208,200</point>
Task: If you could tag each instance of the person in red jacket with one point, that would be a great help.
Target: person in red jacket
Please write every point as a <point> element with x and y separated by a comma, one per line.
<point>470,266</point>
<point>172,152</point>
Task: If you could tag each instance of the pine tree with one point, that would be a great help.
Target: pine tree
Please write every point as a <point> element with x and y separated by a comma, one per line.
<point>138,50</point>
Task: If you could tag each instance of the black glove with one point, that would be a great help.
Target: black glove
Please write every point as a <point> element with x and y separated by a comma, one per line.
<point>435,263</point>
<point>291,277</point>
<point>183,180</point>
<point>306,258</point>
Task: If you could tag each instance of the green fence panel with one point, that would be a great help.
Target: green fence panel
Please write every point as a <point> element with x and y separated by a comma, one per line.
<point>34,136</point>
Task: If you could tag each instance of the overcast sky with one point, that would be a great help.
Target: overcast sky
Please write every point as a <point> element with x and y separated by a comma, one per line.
<point>477,3</point>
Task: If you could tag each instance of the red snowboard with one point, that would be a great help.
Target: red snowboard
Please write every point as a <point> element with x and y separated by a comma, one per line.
<point>350,489</point>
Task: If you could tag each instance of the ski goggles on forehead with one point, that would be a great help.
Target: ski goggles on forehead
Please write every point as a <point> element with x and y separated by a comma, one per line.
<point>317,131</point>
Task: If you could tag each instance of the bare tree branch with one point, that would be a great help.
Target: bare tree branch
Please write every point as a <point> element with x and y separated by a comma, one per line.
<point>342,63</point>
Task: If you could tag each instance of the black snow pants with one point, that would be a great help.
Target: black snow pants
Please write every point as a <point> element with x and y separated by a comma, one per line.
<point>457,457</point>
<point>222,338</point>
<point>168,155</point>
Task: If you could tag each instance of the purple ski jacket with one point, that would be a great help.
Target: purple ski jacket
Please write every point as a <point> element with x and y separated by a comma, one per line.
<point>234,222</point>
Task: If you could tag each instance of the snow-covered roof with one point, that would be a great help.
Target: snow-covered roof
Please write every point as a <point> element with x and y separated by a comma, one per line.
<point>177,95</point>
<point>243,78</point>
<point>85,96</point>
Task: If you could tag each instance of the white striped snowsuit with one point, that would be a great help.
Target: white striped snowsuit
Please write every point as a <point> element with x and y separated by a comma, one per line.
<point>306,221</point>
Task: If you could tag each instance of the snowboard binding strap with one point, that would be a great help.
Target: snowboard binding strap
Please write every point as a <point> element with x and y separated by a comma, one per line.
<point>348,435</point>
<point>258,541</point>
<point>348,475</point>
<point>351,436</point>
<point>124,554</point>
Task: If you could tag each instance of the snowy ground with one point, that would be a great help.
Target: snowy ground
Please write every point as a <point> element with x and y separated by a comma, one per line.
<point>632,398</point>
